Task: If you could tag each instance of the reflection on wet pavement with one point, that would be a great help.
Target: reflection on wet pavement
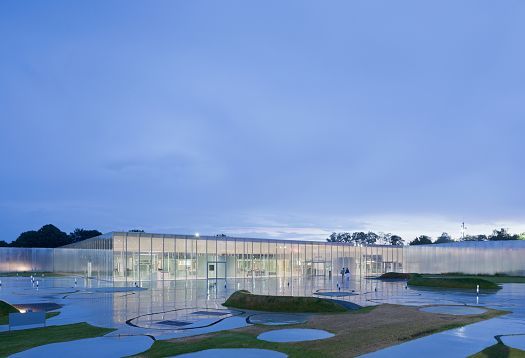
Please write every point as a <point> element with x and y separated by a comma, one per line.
<point>167,309</point>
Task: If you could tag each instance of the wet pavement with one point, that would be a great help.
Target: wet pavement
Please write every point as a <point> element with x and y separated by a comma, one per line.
<point>173,309</point>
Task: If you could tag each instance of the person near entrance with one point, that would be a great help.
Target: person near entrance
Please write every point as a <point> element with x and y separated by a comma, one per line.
<point>347,274</point>
<point>342,275</point>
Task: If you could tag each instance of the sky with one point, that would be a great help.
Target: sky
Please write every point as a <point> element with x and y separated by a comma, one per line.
<point>279,119</point>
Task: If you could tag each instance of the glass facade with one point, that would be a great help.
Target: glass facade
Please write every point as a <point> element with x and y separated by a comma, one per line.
<point>138,257</point>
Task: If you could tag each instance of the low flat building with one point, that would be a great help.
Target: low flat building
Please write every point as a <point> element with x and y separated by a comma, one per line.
<point>137,257</point>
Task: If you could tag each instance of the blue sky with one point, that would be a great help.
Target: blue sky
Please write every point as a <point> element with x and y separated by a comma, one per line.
<point>271,118</point>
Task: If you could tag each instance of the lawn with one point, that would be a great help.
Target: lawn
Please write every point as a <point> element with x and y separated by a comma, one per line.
<point>452,282</point>
<point>356,332</point>
<point>6,308</point>
<point>498,278</point>
<point>491,278</point>
<point>499,350</point>
<point>17,341</point>
<point>245,300</point>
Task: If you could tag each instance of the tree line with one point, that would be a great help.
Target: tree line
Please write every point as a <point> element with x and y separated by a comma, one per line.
<point>366,238</point>
<point>370,238</point>
<point>50,236</point>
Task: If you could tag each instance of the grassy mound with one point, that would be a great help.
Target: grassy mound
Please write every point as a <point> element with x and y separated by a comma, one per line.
<point>453,282</point>
<point>395,276</point>
<point>6,309</point>
<point>245,300</point>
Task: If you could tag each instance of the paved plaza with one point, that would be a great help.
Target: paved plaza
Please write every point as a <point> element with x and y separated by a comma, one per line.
<point>172,309</point>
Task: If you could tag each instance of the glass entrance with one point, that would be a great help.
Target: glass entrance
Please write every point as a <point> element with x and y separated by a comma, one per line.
<point>318,268</point>
<point>216,270</point>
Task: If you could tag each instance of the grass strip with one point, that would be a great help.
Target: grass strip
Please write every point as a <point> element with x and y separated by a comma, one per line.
<point>453,282</point>
<point>356,333</point>
<point>21,340</point>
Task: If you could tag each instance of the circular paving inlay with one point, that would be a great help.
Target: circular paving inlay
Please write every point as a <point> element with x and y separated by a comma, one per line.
<point>454,310</point>
<point>234,353</point>
<point>294,335</point>
<point>276,319</point>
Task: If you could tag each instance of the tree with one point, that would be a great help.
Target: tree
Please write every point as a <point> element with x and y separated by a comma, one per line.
<point>47,236</point>
<point>82,234</point>
<point>421,240</point>
<point>3,243</point>
<point>359,238</point>
<point>396,240</point>
<point>340,237</point>
<point>443,239</point>
<point>371,238</point>
<point>502,234</point>
<point>475,238</point>
<point>521,236</point>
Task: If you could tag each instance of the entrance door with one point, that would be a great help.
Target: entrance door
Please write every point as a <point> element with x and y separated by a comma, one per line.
<point>216,270</point>
<point>317,268</point>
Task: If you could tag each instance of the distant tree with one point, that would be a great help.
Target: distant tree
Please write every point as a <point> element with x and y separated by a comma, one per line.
<point>3,243</point>
<point>82,234</point>
<point>371,238</point>
<point>359,238</point>
<point>502,234</point>
<point>396,240</point>
<point>47,236</point>
<point>339,237</point>
<point>421,240</point>
<point>384,238</point>
<point>521,236</point>
<point>136,230</point>
<point>332,237</point>
<point>475,238</point>
<point>443,239</point>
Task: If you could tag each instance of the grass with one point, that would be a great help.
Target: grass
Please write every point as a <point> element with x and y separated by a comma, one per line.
<point>395,275</point>
<point>356,333</point>
<point>499,350</point>
<point>18,341</point>
<point>497,278</point>
<point>245,300</point>
<point>6,308</point>
<point>229,339</point>
<point>452,282</point>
